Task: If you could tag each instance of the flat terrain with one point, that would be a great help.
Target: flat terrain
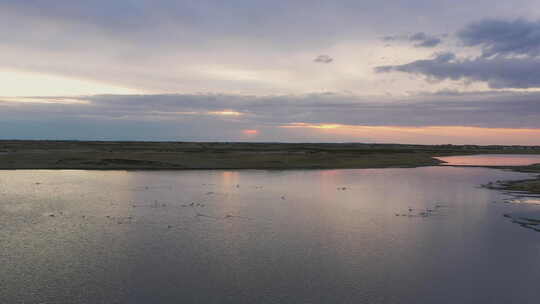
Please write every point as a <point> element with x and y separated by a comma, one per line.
<point>17,154</point>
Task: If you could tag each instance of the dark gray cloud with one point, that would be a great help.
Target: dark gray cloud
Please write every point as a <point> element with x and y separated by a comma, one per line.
<point>432,67</point>
<point>503,37</point>
<point>323,59</point>
<point>509,56</point>
<point>419,39</point>
<point>424,40</point>
<point>498,72</point>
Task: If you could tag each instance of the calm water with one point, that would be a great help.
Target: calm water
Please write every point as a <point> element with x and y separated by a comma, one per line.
<point>320,236</point>
<point>492,160</point>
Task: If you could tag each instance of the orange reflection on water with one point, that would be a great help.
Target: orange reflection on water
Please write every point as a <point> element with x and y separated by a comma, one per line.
<point>492,160</point>
<point>229,179</point>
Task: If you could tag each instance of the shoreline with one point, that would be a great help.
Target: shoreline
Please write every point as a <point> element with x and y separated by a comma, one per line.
<point>524,186</point>
<point>167,156</point>
<point>520,187</point>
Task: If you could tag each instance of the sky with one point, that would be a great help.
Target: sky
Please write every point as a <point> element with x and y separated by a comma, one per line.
<point>402,71</point>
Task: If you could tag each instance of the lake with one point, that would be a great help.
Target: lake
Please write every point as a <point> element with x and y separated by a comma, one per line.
<point>415,235</point>
<point>491,160</point>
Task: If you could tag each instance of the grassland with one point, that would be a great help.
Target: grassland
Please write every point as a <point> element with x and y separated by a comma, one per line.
<point>103,155</point>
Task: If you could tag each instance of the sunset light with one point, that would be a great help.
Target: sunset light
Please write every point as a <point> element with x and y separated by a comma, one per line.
<point>252,151</point>
<point>225,113</point>
<point>251,132</point>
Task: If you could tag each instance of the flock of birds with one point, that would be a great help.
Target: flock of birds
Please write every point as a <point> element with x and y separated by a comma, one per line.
<point>194,205</point>
<point>423,212</point>
<point>197,205</point>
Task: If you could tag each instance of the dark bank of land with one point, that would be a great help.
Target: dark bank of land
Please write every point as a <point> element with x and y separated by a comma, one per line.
<point>22,154</point>
<point>120,155</point>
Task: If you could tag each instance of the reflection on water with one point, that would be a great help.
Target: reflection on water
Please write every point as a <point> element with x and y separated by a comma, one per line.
<point>523,200</point>
<point>529,220</point>
<point>491,160</point>
<point>423,235</point>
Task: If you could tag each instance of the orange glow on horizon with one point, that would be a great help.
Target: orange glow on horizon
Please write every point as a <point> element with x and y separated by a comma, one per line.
<point>426,134</point>
<point>226,113</point>
<point>328,126</point>
<point>313,126</point>
<point>250,132</point>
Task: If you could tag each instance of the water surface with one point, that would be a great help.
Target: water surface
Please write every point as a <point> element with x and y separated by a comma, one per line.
<point>491,160</point>
<point>313,236</point>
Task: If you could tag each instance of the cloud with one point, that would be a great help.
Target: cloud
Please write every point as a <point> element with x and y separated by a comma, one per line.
<point>424,40</point>
<point>510,56</point>
<point>170,46</point>
<point>503,37</point>
<point>498,72</point>
<point>62,40</point>
<point>419,39</point>
<point>328,117</point>
<point>427,66</point>
<point>323,59</point>
<point>502,109</point>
